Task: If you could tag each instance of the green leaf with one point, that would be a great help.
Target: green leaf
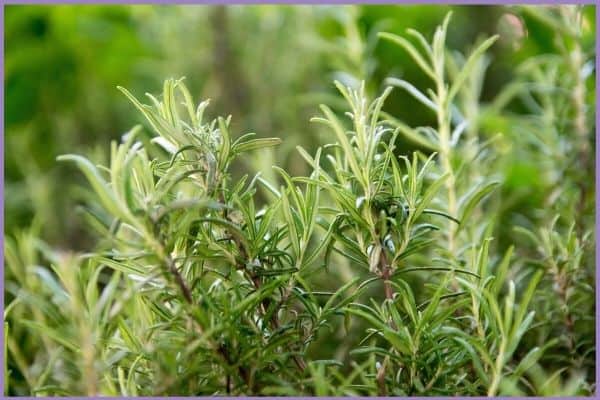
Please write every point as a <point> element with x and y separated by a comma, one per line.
<point>398,341</point>
<point>429,195</point>
<point>313,163</point>
<point>269,187</point>
<point>426,46</point>
<point>275,272</point>
<point>407,298</point>
<point>445,269</point>
<point>349,153</point>
<point>254,144</point>
<point>509,306</point>
<point>145,110</point>
<point>257,296</point>
<point>323,242</point>
<point>339,292</point>
<point>481,373</point>
<point>410,49</point>
<point>502,270</point>
<point>483,258</point>
<point>376,106</point>
<point>376,323</point>
<point>493,310</point>
<point>294,234</point>
<point>531,358</point>
<point>416,93</point>
<point>469,201</point>
<point>105,195</point>
<point>225,149</point>
<point>232,229</point>
<point>188,102</point>
<point>409,133</point>
<point>293,191</point>
<point>467,69</point>
<point>126,267</point>
<point>51,333</point>
<point>431,308</point>
<point>441,214</point>
<point>129,337</point>
<point>524,303</point>
<point>414,247</point>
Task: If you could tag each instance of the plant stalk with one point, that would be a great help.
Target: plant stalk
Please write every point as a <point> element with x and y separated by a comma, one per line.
<point>445,159</point>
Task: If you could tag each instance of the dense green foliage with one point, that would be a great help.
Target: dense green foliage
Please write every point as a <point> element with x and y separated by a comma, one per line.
<point>443,250</point>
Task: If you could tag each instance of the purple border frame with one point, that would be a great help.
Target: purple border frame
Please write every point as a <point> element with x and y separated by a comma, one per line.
<point>308,2</point>
<point>326,2</point>
<point>597,219</point>
<point>2,355</point>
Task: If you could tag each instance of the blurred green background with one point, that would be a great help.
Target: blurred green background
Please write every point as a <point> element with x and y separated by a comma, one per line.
<point>269,66</point>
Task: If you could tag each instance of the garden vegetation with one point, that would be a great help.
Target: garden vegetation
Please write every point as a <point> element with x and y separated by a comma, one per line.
<point>382,271</point>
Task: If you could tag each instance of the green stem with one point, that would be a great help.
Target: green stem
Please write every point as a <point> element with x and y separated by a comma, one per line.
<point>497,370</point>
<point>445,158</point>
<point>580,124</point>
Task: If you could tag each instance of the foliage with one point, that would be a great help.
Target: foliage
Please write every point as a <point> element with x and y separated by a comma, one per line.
<point>381,271</point>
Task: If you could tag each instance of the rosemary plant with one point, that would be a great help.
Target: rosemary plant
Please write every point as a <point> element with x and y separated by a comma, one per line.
<point>205,283</point>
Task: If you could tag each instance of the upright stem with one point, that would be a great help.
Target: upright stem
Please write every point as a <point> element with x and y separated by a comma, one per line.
<point>380,378</point>
<point>386,274</point>
<point>232,84</point>
<point>578,99</point>
<point>580,124</point>
<point>266,302</point>
<point>161,252</point>
<point>387,286</point>
<point>172,268</point>
<point>562,285</point>
<point>445,155</point>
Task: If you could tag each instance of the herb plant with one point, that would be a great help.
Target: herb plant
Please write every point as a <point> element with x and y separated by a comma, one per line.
<point>206,283</point>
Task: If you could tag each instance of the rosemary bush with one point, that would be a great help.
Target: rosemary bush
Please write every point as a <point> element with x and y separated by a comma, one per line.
<point>417,265</point>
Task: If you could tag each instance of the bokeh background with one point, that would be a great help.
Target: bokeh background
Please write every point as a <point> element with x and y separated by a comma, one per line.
<point>269,66</point>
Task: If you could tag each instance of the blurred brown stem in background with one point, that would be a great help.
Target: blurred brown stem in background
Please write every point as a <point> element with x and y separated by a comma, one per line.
<point>233,87</point>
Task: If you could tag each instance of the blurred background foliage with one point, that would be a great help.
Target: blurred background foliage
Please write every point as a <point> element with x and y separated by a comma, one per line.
<point>270,67</point>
